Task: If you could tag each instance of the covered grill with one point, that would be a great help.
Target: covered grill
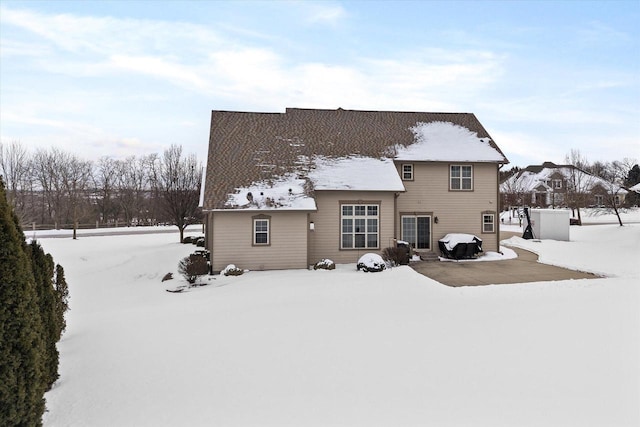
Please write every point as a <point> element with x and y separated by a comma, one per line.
<point>460,246</point>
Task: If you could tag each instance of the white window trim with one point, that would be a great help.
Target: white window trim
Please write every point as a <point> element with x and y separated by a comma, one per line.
<point>492,223</point>
<point>256,232</point>
<point>366,233</point>
<point>460,178</point>
<point>409,172</point>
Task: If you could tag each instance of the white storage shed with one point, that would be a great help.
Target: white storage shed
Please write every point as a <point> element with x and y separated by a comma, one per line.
<point>552,224</point>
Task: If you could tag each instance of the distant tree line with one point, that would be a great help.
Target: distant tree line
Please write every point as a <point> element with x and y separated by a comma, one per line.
<point>33,300</point>
<point>61,190</point>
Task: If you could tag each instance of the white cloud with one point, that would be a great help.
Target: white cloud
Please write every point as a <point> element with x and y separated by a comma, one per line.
<point>520,145</point>
<point>600,33</point>
<point>325,13</point>
<point>91,69</point>
<point>439,70</point>
<point>161,68</point>
<point>197,59</point>
<point>116,53</point>
<point>10,47</point>
<point>104,36</point>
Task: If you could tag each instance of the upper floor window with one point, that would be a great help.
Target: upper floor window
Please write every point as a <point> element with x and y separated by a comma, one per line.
<point>407,172</point>
<point>461,177</point>
<point>557,184</point>
<point>261,226</point>
<point>359,226</point>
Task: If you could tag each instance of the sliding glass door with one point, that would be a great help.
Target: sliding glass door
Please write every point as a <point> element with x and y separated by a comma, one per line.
<point>416,229</point>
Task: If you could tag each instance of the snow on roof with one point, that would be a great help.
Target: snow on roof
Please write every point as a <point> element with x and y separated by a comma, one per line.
<point>433,141</point>
<point>636,188</point>
<point>355,173</point>
<point>529,181</point>
<point>445,141</point>
<point>344,173</point>
<point>526,181</point>
<point>287,192</point>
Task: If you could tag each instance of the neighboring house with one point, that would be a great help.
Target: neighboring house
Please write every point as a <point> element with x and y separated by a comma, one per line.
<point>551,185</point>
<point>285,190</point>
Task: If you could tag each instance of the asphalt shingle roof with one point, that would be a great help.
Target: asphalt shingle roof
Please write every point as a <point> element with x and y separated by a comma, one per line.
<point>246,147</point>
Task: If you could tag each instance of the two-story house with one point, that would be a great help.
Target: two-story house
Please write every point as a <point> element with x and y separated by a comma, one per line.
<point>551,185</point>
<point>285,190</point>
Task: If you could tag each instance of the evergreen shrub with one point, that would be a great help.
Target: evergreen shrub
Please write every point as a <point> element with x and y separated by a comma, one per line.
<point>193,266</point>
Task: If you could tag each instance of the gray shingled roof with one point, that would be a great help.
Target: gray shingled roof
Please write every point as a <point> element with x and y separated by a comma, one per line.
<point>246,147</point>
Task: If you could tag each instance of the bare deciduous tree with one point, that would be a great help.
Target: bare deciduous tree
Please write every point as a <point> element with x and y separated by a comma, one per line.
<point>105,176</point>
<point>133,189</point>
<point>617,171</point>
<point>14,167</point>
<point>54,186</point>
<point>47,165</point>
<point>76,176</point>
<point>176,180</point>
<point>579,182</point>
<point>514,194</point>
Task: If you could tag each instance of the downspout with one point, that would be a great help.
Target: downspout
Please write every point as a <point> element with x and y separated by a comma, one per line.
<point>395,215</point>
<point>499,211</point>
<point>309,237</point>
<point>208,236</point>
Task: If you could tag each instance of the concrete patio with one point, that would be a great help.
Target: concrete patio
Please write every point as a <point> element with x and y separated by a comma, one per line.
<point>524,268</point>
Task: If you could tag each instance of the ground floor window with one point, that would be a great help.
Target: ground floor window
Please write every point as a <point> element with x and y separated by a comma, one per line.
<point>261,226</point>
<point>359,226</point>
<point>488,222</point>
<point>416,230</point>
<point>558,198</point>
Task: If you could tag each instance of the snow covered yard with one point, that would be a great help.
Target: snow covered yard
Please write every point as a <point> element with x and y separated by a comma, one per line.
<point>347,348</point>
<point>590,216</point>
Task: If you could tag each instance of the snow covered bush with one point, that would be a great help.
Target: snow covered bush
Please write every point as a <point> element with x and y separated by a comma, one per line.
<point>232,270</point>
<point>193,266</point>
<point>324,264</point>
<point>371,263</point>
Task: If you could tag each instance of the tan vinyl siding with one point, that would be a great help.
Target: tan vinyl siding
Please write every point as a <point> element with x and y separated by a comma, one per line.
<point>457,211</point>
<point>324,241</point>
<point>208,231</point>
<point>233,232</point>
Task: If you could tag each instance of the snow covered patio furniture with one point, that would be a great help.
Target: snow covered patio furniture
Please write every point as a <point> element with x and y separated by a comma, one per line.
<point>460,246</point>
